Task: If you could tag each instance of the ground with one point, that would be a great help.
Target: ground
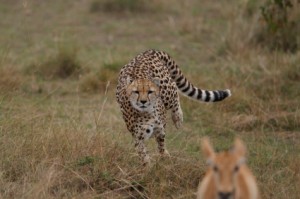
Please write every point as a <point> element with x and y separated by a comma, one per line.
<point>62,133</point>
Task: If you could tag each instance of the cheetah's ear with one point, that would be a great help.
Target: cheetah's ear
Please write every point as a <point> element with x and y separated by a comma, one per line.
<point>156,81</point>
<point>128,90</point>
<point>128,80</point>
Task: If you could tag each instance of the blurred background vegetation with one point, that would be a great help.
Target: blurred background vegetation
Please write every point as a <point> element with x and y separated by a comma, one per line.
<point>61,132</point>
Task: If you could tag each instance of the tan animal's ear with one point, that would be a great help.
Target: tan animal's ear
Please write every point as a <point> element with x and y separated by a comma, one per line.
<point>239,147</point>
<point>207,149</point>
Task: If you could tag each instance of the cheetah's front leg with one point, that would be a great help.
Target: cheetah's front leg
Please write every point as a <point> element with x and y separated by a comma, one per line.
<point>141,148</point>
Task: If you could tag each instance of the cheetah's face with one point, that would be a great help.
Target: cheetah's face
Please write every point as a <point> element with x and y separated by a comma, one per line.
<point>142,94</point>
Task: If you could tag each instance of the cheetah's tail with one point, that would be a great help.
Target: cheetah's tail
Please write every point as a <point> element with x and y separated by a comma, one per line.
<point>186,87</point>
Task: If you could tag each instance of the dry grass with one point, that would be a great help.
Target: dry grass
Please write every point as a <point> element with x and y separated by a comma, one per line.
<point>97,81</point>
<point>65,137</point>
<point>63,64</point>
<point>10,79</point>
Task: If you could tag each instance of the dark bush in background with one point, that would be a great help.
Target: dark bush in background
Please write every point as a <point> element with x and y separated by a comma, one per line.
<point>280,27</point>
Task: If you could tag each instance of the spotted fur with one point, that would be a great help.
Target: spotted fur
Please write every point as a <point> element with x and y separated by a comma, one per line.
<point>147,87</point>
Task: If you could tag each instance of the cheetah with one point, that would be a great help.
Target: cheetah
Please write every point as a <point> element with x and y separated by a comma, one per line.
<point>228,175</point>
<point>147,87</point>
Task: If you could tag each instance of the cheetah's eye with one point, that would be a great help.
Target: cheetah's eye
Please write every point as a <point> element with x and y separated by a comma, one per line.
<point>137,92</point>
<point>149,92</point>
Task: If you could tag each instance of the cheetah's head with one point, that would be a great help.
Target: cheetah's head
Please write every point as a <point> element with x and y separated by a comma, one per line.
<point>143,93</point>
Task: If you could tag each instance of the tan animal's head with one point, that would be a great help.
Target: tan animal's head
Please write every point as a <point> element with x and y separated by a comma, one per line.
<point>225,167</point>
<point>143,93</point>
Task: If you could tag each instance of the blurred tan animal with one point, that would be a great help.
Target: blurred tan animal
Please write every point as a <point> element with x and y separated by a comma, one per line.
<point>228,176</point>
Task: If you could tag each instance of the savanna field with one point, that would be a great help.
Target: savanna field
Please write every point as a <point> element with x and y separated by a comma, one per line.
<point>61,131</point>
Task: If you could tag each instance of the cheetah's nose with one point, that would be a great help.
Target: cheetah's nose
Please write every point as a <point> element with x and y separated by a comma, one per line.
<point>143,101</point>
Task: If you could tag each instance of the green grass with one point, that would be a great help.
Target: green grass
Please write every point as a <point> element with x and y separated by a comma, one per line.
<point>64,137</point>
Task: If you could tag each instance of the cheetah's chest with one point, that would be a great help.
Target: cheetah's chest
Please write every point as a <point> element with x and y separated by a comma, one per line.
<point>135,119</point>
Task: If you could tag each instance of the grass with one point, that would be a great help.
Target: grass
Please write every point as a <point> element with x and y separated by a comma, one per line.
<point>63,64</point>
<point>279,31</point>
<point>97,81</point>
<point>118,6</point>
<point>63,137</point>
<point>10,79</point>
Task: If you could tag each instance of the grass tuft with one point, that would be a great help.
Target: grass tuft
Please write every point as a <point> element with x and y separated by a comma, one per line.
<point>10,79</point>
<point>118,6</point>
<point>62,65</point>
<point>97,81</point>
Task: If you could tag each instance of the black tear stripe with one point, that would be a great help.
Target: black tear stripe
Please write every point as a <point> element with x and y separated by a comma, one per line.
<point>192,93</point>
<point>207,97</point>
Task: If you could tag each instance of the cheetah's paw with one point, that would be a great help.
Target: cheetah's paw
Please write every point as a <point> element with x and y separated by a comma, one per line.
<point>177,118</point>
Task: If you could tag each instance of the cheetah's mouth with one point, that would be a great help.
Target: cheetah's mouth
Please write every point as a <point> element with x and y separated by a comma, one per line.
<point>143,106</point>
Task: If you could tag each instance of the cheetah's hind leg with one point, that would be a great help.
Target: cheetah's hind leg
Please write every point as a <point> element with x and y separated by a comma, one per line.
<point>177,115</point>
